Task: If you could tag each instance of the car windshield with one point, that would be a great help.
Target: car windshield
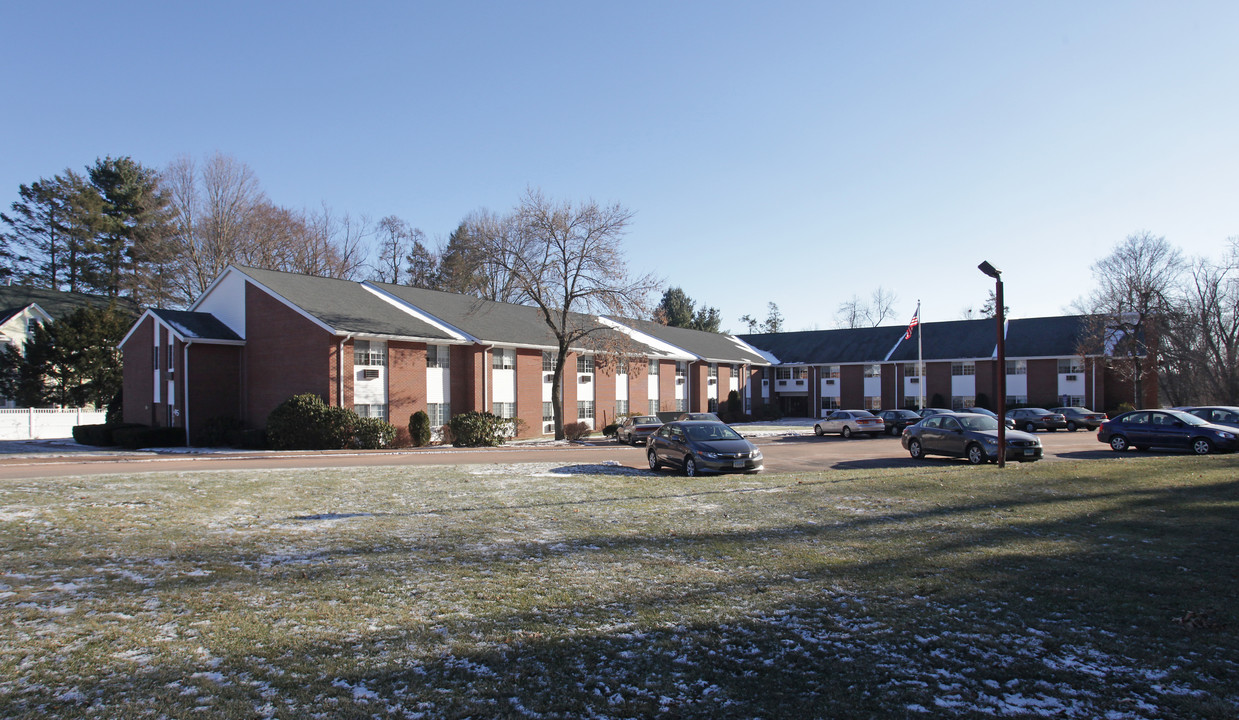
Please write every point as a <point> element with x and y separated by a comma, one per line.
<point>713,431</point>
<point>979,422</point>
<point>645,420</point>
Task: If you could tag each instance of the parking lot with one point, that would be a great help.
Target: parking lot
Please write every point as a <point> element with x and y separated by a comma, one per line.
<point>787,447</point>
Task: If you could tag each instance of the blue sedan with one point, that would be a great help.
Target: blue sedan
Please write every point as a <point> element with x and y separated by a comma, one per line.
<point>1143,429</point>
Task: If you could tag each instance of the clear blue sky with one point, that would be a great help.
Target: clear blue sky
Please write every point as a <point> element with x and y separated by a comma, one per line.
<point>799,153</point>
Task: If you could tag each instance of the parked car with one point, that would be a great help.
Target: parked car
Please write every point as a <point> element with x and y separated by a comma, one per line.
<point>1142,429</point>
<point>636,429</point>
<point>1033,419</point>
<point>1078,417</point>
<point>702,445</point>
<point>926,412</point>
<point>968,435</point>
<point>897,420</point>
<point>982,411</point>
<point>849,422</point>
<point>1217,414</point>
<point>673,415</point>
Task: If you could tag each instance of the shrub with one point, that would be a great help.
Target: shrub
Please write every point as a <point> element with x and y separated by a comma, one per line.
<point>224,431</point>
<point>419,428</point>
<point>577,430</point>
<point>610,430</point>
<point>474,429</point>
<point>253,439</point>
<point>373,433</point>
<point>734,406</point>
<point>1122,408</point>
<point>305,422</point>
<point>115,413</point>
<point>100,435</point>
<point>145,437</point>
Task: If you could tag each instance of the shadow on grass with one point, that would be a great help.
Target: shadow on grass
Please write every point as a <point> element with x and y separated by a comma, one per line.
<point>1064,596</point>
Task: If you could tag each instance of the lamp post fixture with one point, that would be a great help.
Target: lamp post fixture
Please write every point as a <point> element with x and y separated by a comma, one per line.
<point>995,273</point>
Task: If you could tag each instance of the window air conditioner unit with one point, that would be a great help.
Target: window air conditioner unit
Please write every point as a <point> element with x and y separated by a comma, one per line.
<point>714,381</point>
<point>679,381</point>
<point>549,377</point>
<point>369,374</point>
<point>765,382</point>
<point>585,378</point>
<point>548,428</point>
<point>1072,378</point>
<point>830,381</point>
<point>914,381</point>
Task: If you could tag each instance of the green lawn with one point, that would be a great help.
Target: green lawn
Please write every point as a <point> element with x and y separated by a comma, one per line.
<point>1088,589</point>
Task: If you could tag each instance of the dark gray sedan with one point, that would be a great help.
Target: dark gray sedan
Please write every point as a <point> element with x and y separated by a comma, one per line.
<point>1216,414</point>
<point>967,435</point>
<point>636,428</point>
<point>701,445</point>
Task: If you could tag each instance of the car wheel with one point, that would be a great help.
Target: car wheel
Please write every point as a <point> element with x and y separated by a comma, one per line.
<point>846,432</point>
<point>1118,443</point>
<point>654,464</point>
<point>1201,446</point>
<point>690,466</point>
<point>976,455</point>
<point>817,430</point>
<point>1029,427</point>
<point>915,450</point>
<point>1071,426</point>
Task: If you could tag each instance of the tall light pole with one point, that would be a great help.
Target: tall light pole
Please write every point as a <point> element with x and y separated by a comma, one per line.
<point>995,273</point>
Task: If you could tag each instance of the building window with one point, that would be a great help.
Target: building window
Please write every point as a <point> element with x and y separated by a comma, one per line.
<point>681,369</point>
<point>621,366</point>
<point>830,403</point>
<point>440,413</point>
<point>155,357</point>
<point>681,404</point>
<point>735,370</point>
<point>438,356</point>
<point>873,371</point>
<point>791,373</point>
<point>1070,365</point>
<point>621,408</point>
<point>1017,367</point>
<point>911,370</point>
<point>713,370</point>
<point>371,411</point>
<point>654,368</point>
<point>1017,400</point>
<point>968,367</point>
<point>959,402</point>
<point>171,358</point>
<point>548,412</point>
<point>654,407</point>
<point>830,371</point>
<point>367,352</point>
<point>1073,400</point>
<point>712,405</point>
<point>504,410</point>
<point>503,358</point>
<point>548,360</point>
<point>585,363</point>
<point>873,402</point>
<point>584,409</point>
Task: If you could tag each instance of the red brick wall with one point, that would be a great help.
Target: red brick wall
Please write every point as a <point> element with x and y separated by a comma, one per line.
<point>938,375</point>
<point>666,385</point>
<point>890,386</point>
<point>529,391</point>
<point>986,384</point>
<point>1043,382</point>
<point>604,393</point>
<point>214,377</point>
<point>285,355</point>
<point>638,388</point>
<point>406,381</point>
<point>137,384</point>
<point>851,388</point>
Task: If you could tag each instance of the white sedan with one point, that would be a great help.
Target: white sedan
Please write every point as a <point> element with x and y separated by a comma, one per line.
<point>849,422</point>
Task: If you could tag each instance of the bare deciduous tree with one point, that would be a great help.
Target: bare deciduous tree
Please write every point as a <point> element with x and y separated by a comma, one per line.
<point>856,313</point>
<point>1132,303</point>
<point>567,260</point>
<point>1200,358</point>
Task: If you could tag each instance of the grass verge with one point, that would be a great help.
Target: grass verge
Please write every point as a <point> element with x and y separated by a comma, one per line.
<point>1089,589</point>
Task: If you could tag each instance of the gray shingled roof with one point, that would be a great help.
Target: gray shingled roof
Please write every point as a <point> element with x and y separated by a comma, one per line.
<point>57,303</point>
<point>828,347</point>
<point>497,322</point>
<point>1046,336</point>
<point>196,325</point>
<point>957,339</point>
<point>345,305</point>
<point>712,347</point>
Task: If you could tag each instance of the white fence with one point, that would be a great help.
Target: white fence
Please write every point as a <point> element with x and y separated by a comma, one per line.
<point>40,423</point>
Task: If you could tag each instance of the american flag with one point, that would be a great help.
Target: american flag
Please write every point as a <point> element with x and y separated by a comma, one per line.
<point>916,320</point>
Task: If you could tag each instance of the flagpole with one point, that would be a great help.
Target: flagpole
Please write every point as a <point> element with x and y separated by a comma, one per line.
<point>920,357</point>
